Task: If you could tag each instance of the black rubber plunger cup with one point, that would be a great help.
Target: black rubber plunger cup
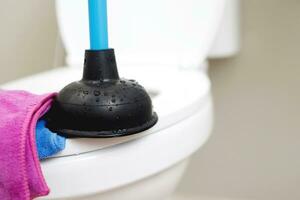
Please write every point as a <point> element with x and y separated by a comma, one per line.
<point>101,104</point>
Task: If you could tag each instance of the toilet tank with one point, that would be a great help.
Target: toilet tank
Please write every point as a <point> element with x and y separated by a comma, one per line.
<point>162,32</point>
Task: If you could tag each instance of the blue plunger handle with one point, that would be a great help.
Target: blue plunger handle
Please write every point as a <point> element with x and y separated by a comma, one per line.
<point>98,24</point>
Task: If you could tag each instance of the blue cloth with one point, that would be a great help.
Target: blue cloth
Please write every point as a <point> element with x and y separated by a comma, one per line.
<point>48,143</point>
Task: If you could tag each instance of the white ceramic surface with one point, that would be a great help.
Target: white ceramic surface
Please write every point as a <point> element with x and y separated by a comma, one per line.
<point>159,32</point>
<point>155,50</point>
<point>175,101</point>
<point>99,165</point>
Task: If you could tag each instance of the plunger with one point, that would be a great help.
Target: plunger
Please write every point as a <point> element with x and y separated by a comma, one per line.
<point>101,104</point>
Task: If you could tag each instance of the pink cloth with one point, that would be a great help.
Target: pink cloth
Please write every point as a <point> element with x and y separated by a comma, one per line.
<point>21,176</point>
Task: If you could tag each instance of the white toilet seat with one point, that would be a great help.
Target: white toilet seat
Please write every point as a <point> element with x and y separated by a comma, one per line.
<point>107,169</point>
<point>90,166</point>
<point>175,101</point>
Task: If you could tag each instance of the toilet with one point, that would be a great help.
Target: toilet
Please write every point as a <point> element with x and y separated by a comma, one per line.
<point>164,44</point>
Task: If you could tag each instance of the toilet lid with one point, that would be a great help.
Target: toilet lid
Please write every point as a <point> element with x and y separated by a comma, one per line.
<point>172,100</point>
<point>158,32</point>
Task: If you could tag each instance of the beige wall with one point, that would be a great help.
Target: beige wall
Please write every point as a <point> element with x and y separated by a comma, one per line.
<point>255,148</point>
<point>28,37</point>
